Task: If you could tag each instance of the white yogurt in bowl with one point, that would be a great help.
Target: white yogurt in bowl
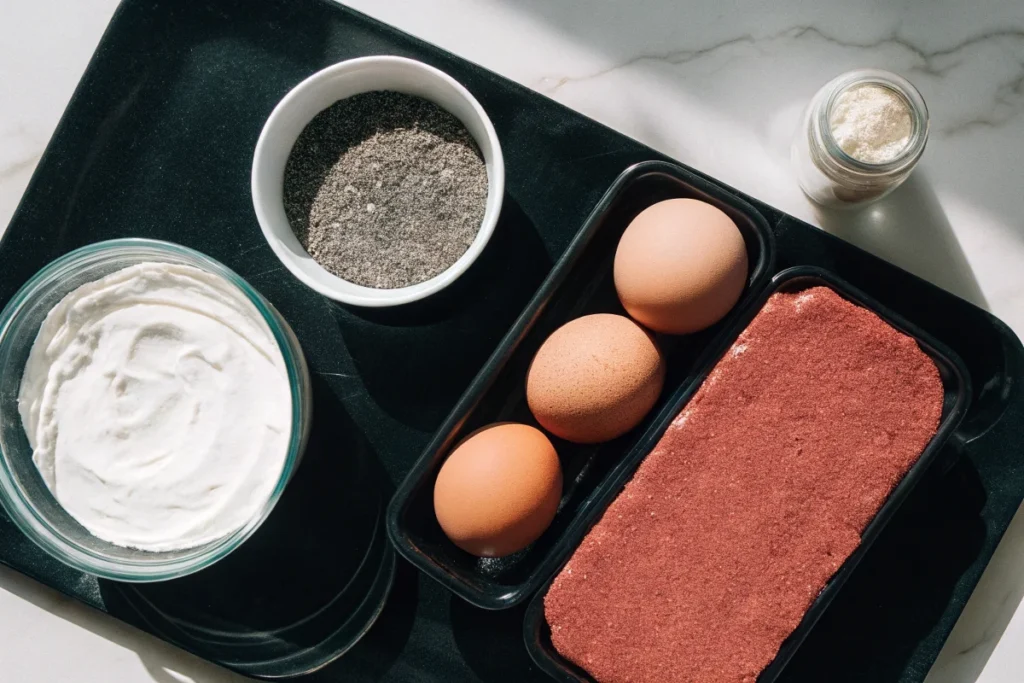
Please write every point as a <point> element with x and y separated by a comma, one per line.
<point>157,404</point>
<point>153,409</point>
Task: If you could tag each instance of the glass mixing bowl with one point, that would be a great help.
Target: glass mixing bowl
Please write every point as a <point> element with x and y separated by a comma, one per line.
<point>23,493</point>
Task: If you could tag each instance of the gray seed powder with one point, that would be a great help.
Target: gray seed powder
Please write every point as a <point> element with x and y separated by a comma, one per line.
<point>385,189</point>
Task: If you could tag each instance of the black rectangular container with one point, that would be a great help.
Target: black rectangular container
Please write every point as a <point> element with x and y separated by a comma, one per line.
<point>956,386</point>
<point>580,284</point>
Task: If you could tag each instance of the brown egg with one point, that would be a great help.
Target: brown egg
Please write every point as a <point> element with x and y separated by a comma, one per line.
<point>680,266</point>
<point>498,490</point>
<point>595,378</point>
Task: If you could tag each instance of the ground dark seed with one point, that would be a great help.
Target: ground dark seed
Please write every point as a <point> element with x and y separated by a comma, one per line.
<point>385,190</point>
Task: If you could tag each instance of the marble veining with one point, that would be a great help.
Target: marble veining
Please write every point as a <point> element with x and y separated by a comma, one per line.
<point>718,85</point>
<point>1008,97</point>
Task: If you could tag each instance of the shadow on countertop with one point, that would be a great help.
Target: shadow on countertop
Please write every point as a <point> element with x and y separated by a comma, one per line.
<point>909,229</point>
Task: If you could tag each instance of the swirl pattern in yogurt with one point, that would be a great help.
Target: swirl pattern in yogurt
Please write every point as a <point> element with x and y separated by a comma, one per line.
<point>157,404</point>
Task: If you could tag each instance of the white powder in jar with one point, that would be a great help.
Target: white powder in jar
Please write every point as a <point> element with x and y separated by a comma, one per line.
<point>871,123</point>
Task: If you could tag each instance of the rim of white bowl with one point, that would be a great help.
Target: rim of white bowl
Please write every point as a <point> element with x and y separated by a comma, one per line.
<point>368,296</point>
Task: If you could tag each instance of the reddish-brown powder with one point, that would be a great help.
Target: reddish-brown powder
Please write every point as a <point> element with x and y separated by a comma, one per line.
<point>751,501</point>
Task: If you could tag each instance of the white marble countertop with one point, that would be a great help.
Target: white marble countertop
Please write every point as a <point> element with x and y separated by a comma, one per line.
<point>718,85</point>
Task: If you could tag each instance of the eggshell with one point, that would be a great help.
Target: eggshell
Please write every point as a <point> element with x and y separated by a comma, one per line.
<point>595,378</point>
<point>680,266</point>
<point>498,490</point>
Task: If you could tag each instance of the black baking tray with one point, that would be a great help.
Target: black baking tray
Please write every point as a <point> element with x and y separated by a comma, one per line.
<point>581,283</point>
<point>956,398</point>
<point>157,142</point>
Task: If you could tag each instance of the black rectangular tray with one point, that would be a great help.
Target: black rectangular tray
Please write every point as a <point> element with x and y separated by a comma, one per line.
<point>580,284</point>
<point>956,398</point>
<point>157,142</point>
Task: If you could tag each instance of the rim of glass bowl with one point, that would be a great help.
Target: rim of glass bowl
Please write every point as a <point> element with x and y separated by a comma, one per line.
<point>24,513</point>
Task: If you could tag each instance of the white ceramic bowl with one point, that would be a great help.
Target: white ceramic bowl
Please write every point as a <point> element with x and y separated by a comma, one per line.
<point>320,91</point>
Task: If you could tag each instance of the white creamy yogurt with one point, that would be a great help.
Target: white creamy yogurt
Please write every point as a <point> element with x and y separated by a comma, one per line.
<point>157,403</point>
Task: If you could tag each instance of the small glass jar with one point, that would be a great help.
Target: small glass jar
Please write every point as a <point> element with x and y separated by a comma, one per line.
<point>830,176</point>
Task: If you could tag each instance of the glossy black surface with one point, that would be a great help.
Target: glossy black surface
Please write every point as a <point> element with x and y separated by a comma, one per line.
<point>158,141</point>
<point>956,398</point>
<point>580,284</point>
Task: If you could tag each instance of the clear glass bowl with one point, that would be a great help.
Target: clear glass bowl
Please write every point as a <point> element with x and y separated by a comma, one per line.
<point>23,493</point>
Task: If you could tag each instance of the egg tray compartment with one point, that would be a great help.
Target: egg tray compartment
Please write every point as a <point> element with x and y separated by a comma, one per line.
<point>956,399</point>
<point>580,284</point>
